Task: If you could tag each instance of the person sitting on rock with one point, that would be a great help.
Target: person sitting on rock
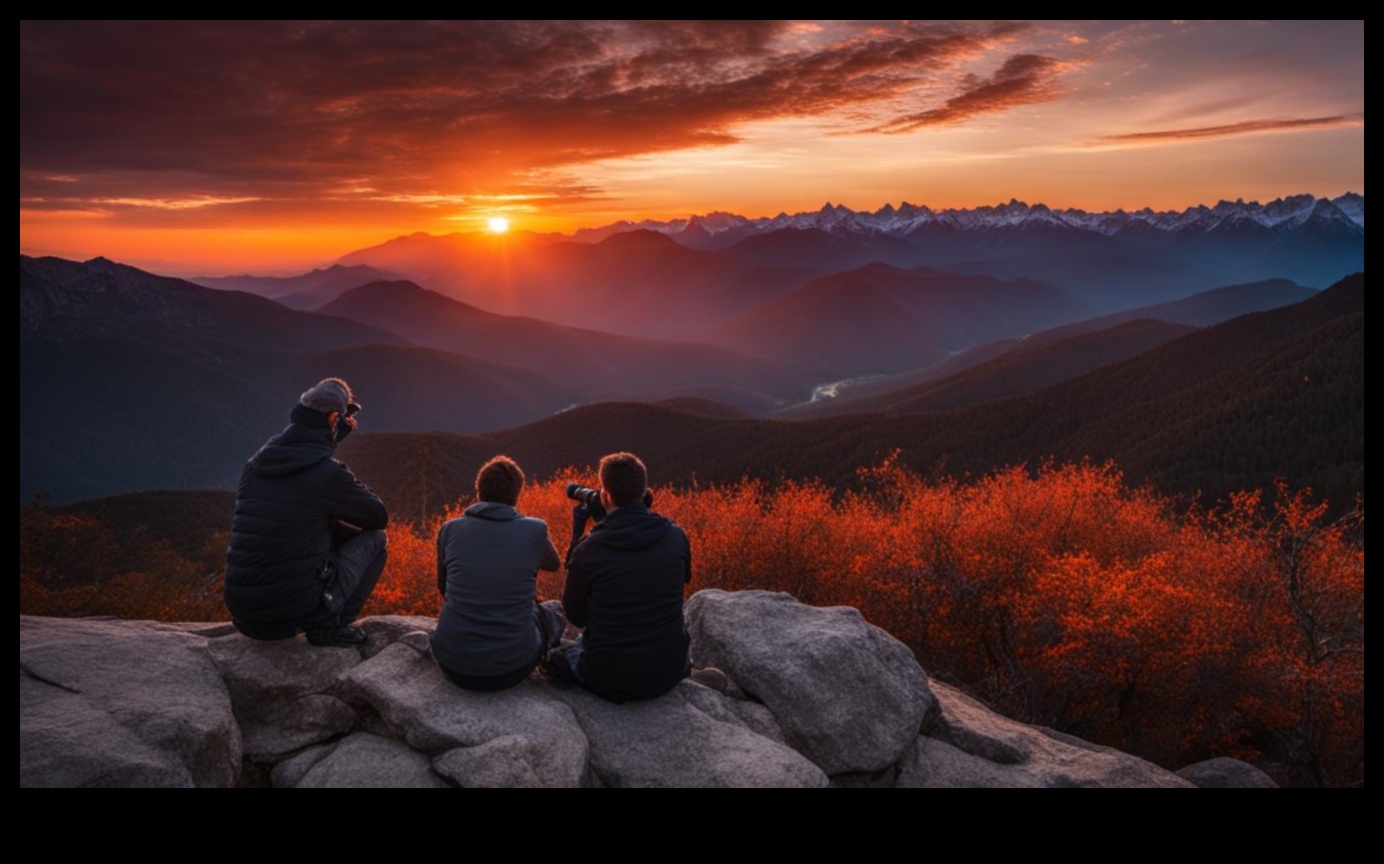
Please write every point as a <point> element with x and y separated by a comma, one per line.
<point>625,585</point>
<point>307,540</point>
<point>492,630</point>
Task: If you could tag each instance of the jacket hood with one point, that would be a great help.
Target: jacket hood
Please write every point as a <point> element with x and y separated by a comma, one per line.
<point>304,443</point>
<point>492,510</point>
<point>631,527</point>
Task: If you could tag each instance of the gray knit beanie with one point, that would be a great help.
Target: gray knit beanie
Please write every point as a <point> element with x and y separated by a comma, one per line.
<point>327,395</point>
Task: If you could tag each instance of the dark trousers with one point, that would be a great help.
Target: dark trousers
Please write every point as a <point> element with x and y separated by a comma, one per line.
<point>572,655</point>
<point>357,562</point>
<point>361,560</point>
<point>549,622</point>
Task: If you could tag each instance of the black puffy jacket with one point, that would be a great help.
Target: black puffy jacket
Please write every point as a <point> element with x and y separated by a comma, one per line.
<point>290,492</point>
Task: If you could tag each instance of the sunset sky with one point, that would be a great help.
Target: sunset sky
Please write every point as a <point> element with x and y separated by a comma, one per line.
<point>273,147</point>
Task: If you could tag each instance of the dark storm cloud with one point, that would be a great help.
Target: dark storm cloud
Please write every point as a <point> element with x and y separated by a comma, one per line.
<point>160,111</point>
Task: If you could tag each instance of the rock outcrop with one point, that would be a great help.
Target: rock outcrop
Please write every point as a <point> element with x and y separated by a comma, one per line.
<point>121,703</point>
<point>971,746</point>
<point>1226,773</point>
<point>521,736</point>
<point>813,698</point>
<point>849,696</point>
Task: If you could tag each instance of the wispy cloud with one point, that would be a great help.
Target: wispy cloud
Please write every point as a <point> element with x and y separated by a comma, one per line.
<point>1246,127</point>
<point>426,200</point>
<point>109,204</point>
<point>1024,79</point>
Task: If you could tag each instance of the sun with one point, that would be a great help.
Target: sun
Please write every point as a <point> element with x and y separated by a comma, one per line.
<point>498,224</point>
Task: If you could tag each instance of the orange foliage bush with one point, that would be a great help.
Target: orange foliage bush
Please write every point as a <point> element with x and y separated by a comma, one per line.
<point>1061,596</point>
<point>73,564</point>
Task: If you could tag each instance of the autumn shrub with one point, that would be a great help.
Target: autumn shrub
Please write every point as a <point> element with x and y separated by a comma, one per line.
<point>1060,595</point>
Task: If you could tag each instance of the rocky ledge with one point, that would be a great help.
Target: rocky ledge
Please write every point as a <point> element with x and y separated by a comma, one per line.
<point>816,697</point>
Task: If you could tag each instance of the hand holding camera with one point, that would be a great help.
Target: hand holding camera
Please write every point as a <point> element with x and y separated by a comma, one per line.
<point>346,424</point>
<point>580,516</point>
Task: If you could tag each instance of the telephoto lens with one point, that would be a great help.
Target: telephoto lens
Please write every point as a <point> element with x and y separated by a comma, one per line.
<point>590,497</point>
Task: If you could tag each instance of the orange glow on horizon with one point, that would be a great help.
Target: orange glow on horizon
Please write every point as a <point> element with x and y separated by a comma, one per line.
<point>782,117</point>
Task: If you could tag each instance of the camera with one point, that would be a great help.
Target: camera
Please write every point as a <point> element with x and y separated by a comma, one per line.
<point>592,499</point>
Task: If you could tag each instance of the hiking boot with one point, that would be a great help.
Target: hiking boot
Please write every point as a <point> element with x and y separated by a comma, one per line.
<point>557,668</point>
<point>336,636</point>
<point>552,623</point>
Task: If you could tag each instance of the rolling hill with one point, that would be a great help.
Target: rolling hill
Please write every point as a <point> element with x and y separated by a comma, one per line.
<point>1020,373</point>
<point>590,363</point>
<point>638,283</point>
<point>881,319</point>
<point>1199,310</point>
<point>135,381</point>
<point>307,291</point>
<point>1225,408</point>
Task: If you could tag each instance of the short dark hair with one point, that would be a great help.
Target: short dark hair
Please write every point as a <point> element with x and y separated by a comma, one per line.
<point>500,480</point>
<point>624,478</point>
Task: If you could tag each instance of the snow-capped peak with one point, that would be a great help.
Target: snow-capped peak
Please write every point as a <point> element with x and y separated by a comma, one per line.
<point>1280,214</point>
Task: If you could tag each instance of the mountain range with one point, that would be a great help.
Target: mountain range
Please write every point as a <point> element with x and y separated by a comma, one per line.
<point>1110,260</point>
<point>308,291</point>
<point>1275,394</point>
<point>639,283</point>
<point>592,364</point>
<point>958,337</point>
<point>722,230</point>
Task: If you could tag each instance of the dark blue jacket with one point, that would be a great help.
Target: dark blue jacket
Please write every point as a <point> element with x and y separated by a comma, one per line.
<point>624,585</point>
<point>487,570</point>
<point>290,492</point>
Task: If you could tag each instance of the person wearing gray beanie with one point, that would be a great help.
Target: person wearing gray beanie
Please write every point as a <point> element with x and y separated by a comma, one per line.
<point>333,396</point>
<point>308,542</point>
<point>327,395</point>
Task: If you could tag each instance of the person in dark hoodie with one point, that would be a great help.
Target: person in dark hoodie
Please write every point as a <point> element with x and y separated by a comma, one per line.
<point>624,585</point>
<point>492,630</point>
<point>307,541</point>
